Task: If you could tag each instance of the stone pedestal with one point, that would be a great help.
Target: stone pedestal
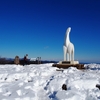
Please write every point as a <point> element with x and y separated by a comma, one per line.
<point>68,62</point>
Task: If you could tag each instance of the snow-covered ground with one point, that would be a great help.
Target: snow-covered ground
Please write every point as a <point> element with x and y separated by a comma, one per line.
<point>43,82</point>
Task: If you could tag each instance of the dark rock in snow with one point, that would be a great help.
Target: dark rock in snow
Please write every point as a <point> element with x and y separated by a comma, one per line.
<point>64,87</point>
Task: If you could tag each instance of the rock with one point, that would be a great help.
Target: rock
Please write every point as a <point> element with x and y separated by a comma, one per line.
<point>64,87</point>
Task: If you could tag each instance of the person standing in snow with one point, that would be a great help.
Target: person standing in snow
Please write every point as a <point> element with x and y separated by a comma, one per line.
<point>25,60</point>
<point>16,60</point>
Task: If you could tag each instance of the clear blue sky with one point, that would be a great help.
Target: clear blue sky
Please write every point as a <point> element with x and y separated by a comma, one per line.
<point>37,28</point>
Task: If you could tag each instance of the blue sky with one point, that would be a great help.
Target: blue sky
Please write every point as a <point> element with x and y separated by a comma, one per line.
<point>37,28</point>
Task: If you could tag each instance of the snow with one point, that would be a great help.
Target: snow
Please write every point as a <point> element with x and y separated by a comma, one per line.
<point>44,82</point>
<point>33,59</point>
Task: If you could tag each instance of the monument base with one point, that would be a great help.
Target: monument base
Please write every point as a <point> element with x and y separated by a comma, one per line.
<point>68,62</point>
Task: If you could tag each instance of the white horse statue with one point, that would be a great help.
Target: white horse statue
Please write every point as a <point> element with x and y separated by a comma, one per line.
<point>68,47</point>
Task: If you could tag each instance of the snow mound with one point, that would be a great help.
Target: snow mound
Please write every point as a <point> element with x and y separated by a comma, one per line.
<point>44,82</point>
